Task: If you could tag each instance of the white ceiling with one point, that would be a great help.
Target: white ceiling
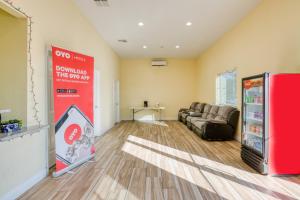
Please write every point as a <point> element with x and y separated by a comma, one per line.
<point>164,24</point>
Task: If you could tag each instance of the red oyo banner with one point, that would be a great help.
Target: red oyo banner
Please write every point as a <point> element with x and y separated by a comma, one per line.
<point>73,76</point>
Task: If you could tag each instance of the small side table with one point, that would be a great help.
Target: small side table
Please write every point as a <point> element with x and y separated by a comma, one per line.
<point>140,108</point>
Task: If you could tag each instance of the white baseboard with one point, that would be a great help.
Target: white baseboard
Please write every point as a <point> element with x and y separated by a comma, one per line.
<point>103,131</point>
<point>23,187</point>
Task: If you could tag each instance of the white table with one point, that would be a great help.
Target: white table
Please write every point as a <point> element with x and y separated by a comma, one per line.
<point>136,109</point>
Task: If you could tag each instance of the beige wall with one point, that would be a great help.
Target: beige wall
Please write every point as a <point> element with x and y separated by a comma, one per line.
<point>13,66</point>
<point>172,86</point>
<point>59,23</point>
<point>267,40</point>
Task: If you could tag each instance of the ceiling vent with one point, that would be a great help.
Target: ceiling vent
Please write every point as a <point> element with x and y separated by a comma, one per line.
<point>159,63</point>
<point>102,3</point>
<point>122,41</point>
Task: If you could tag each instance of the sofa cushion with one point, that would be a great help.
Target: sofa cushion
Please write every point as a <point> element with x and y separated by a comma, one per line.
<point>189,118</point>
<point>200,126</point>
<point>223,113</point>
<point>206,110</point>
<point>213,112</point>
<point>195,119</point>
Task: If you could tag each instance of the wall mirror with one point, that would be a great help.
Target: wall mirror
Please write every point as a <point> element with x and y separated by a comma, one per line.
<point>13,63</point>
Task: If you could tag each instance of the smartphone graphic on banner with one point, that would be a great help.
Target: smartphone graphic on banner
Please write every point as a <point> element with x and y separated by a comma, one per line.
<point>74,136</point>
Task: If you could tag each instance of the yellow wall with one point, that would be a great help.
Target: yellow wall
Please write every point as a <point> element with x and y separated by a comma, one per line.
<point>62,24</point>
<point>267,40</point>
<point>13,66</point>
<point>172,86</point>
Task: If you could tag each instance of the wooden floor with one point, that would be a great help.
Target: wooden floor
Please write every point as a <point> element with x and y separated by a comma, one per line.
<point>164,160</point>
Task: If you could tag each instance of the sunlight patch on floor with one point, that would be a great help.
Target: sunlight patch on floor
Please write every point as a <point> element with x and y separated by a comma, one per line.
<point>217,173</point>
<point>147,117</point>
<point>160,123</point>
<point>162,148</point>
<point>248,177</point>
<point>184,155</point>
<point>191,173</point>
<point>153,122</point>
<point>293,188</point>
<point>177,168</point>
<point>108,184</point>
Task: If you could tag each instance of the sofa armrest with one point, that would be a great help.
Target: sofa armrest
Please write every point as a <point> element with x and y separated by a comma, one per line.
<point>183,109</point>
<point>234,118</point>
<point>217,131</point>
<point>215,121</point>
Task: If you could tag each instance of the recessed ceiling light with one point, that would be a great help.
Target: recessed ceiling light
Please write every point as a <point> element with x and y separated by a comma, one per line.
<point>141,24</point>
<point>189,24</point>
<point>177,46</point>
<point>144,47</point>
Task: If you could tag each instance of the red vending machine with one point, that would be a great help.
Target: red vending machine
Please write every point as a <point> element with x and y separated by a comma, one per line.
<point>271,123</point>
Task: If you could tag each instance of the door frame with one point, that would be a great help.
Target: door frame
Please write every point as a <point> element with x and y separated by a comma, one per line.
<point>49,95</point>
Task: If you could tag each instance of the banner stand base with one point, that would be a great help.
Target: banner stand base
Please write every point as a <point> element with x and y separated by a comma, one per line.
<point>74,165</point>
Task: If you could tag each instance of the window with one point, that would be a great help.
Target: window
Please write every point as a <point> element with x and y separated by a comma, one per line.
<point>226,88</point>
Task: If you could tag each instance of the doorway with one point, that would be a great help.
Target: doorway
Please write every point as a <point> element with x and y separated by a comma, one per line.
<point>116,100</point>
<point>97,112</point>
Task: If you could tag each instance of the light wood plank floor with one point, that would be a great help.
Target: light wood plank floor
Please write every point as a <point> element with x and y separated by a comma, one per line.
<point>164,160</point>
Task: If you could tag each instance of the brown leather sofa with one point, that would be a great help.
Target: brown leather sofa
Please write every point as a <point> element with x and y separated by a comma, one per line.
<point>212,122</point>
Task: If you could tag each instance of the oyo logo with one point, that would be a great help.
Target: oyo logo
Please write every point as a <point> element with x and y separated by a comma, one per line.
<point>63,54</point>
<point>72,133</point>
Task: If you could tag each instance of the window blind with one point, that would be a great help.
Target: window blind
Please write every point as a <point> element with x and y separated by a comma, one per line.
<point>226,88</point>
